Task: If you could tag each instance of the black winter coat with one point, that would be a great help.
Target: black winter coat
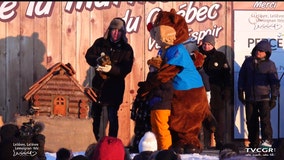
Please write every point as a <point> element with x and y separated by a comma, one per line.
<point>145,155</point>
<point>216,67</point>
<point>121,55</point>
<point>259,79</point>
<point>160,97</point>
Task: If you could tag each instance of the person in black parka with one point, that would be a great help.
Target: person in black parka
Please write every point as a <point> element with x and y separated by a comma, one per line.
<point>217,68</point>
<point>25,143</point>
<point>110,91</point>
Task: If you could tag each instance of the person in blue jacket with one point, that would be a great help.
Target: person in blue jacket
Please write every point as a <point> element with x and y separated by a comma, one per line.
<point>258,88</point>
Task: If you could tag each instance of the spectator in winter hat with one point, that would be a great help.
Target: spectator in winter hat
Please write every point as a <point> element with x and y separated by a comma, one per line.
<point>217,68</point>
<point>109,148</point>
<point>64,154</point>
<point>9,134</point>
<point>209,39</point>
<point>148,142</point>
<point>8,131</point>
<point>147,145</point>
<point>90,150</point>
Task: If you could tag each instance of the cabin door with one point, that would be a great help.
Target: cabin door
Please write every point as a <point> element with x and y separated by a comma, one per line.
<point>59,106</point>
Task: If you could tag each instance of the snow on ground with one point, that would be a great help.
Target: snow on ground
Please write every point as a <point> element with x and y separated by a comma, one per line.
<point>52,156</point>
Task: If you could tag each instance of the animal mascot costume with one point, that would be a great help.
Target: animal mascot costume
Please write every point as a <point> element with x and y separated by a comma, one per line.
<point>189,102</point>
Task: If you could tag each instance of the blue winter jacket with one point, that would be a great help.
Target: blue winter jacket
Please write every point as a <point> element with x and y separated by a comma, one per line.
<point>258,78</point>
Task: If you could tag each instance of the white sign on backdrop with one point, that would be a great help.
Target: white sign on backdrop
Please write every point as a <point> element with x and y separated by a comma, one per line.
<point>250,27</point>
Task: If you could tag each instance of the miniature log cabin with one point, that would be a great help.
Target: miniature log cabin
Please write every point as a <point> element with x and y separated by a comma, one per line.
<point>58,93</point>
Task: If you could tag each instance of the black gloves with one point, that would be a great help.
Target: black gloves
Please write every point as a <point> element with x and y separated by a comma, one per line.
<point>272,102</point>
<point>144,89</point>
<point>241,96</point>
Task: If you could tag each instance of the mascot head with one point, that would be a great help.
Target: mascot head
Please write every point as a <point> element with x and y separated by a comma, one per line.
<point>168,29</point>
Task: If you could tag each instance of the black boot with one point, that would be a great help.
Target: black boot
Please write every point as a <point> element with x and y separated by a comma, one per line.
<point>219,145</point>
<point>178,148</point>
<point>190,149</point>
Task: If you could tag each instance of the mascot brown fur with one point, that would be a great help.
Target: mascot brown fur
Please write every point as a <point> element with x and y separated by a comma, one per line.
<point>198,58</point>
<point>189,106</point>
<point>209,122</point>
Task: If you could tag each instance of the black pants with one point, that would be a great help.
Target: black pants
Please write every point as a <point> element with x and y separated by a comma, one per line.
<point>217,104</point>
<point>112,118</point>
<point>254,111</point>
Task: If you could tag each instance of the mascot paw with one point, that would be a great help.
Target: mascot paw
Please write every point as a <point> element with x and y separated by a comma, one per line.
<point>155,62</point>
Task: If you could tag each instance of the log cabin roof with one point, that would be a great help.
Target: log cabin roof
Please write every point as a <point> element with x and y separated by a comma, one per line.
<point>59,68</point>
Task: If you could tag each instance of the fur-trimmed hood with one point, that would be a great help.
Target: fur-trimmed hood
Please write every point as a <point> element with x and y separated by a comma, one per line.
<point>117,23</point>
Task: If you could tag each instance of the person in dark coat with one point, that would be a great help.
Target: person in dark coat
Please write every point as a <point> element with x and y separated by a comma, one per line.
<point>140,114</point>
<point>110,91</point>
<point>217,68</point>
<point>147,146</point>
<point>21,143</point>
<point>154,109</point>
<point>64,154</point>
<point>160,102</point>
<point>258,88</point>
<point>9,134</point>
